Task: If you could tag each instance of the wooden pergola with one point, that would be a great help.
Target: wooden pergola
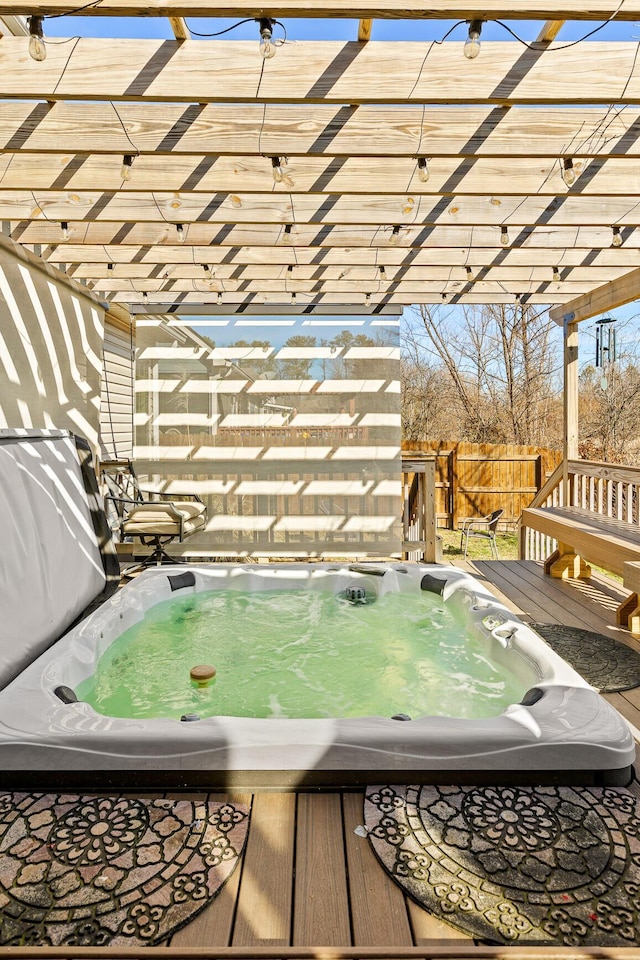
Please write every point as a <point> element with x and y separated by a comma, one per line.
<point>414,175</point>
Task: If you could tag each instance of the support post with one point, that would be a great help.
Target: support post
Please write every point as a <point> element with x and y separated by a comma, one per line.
<point>570,451</point>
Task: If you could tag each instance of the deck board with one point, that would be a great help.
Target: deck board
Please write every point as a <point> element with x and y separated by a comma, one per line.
<point>263,916</point>
<point>321,904</point>
<point>378,907</point>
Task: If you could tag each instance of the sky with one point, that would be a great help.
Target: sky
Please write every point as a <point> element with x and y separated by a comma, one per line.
<point>331,29</point>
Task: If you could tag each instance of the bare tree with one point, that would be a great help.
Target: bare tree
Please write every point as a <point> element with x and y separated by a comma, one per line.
<point>498,360</point>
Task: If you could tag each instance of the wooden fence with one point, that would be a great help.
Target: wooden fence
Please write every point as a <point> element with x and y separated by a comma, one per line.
<point>472,479</point>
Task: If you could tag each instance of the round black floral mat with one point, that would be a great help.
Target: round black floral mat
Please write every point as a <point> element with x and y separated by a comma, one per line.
<point>607,664</point>
<point>92,871</point>
<point>557,865</point>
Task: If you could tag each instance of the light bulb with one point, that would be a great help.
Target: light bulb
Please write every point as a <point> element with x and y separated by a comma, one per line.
<point>267,46</point>
<point>556,275</point>
<point>64,230</point>
<point>472,43</point>
<point>180,232</point>
<point>568,171</point>
<point>394,239</point>
<point>125,169</point>
<point>207,271</point>
<point>469,274</point>
<point>37,46</point>
<point>287,238</point>
<point>109,266</point>
<point>293,298</point>
<point>518,297</point>
<point>616,240</point>
<point>145,297</point>
<point>383,273</point>
<point>444,296</point>
<point>423,169</point>
<point>367,299</point>
<point>219,298</point>
<point>504,236</point>
<point>277,164</point>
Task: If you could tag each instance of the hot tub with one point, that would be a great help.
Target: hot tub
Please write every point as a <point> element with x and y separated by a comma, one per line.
<point>560,728</point>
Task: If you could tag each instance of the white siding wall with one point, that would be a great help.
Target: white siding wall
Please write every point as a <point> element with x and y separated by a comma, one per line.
<point>117,394</point>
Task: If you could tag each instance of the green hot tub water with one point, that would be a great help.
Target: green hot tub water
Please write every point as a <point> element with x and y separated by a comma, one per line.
<point>296,653</point>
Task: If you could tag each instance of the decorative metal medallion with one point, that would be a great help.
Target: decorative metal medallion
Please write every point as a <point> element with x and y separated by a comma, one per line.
<point>532,865</point>
<point>92,871</point>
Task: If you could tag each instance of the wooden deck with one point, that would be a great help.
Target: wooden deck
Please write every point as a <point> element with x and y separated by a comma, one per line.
<point>307,879</point>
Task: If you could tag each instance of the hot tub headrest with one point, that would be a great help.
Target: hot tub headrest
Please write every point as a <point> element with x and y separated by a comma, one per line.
<point>433,584</point>
<point>56,554</point>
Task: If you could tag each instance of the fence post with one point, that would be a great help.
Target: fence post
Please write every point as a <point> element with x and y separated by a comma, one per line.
<point>453,488</point>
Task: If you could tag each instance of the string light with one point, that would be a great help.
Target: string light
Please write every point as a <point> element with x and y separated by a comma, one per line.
<point>219,298</point>
<point>37,46</point>
<point>444,296</point>
<point>556,275</point>
<point>180,232</point>
<point>504,236</point>
<point>616,240</point>
<point>568,171</point>
<point>293,298</point>
<point>145,297</point>
<point>383,273</point>
<point>110,266</point>
<point>469,274</point>
<point>423,169</point>
<point>207,271</point>
<point>367,299</point>
<point>267,46</point>
<point>394,239</point>
<point>287,238</point>
<point>278,173</point>
<point>127,163</point>
<point>64,230</point>
<point>472,43</point>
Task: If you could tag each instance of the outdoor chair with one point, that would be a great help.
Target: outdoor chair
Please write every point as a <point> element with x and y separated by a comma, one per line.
<point>483,527</point>
<point>155,518</point>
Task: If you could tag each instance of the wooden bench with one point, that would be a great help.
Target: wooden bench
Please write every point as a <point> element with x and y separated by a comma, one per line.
<point>605,541</point>
<point>583,535</point>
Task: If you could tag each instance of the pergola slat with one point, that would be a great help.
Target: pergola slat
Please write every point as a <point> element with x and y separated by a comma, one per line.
<point>315,235</point>
<point>394,9</point>
<point>382,210</point>
<point>329,72</point>
<point>92,259</point>
<point>316,129</point>
<point>319,175</point>
<point>121,274</point>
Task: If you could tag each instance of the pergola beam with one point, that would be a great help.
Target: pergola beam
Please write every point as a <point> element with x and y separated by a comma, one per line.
<point>383,9</point>
<point>322,72</point>
<point>601,300</point>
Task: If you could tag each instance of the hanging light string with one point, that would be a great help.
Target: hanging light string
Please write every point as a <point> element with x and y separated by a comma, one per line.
<point>234,26</point>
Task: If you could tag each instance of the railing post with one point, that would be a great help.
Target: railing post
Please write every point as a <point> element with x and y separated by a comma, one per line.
<point>429,510</point>
<point>453,487</point>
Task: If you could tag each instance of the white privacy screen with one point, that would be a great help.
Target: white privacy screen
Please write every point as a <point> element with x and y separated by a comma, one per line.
<point>289,430</point>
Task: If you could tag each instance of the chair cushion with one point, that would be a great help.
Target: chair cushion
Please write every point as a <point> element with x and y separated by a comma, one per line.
<point>189,508</point>
<point>146,525</point>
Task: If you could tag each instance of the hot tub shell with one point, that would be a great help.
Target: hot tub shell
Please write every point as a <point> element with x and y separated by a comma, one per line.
<point>563,729</point>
